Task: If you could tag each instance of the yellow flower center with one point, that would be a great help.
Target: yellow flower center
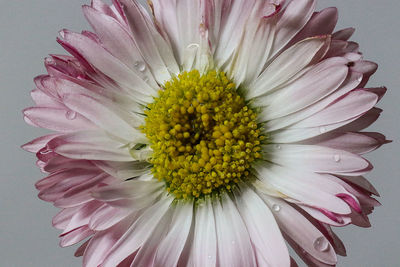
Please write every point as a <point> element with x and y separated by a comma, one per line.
<point>203,135</point>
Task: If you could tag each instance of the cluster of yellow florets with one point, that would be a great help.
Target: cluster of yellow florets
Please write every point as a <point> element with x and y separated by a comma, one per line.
<point>203,135</point>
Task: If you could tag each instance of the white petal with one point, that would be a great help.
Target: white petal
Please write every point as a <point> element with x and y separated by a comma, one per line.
<point>138,233</point>
<point>170,248</point>
<point>233,241</point>
<point>351,82</point>
<point>297,185</point>
<point>349,106</point>
<point>124,170</point>
<point>292,20</point>
<point>231,21</point>
<point>287,64</point>
<point>102,116</point>
<point>156,51</point>
<point>147,253</point>
<point>263,229</point>
<point>204,249</point>
<point>315,158</point>
<point>254,48</point>
<point>317,83</point>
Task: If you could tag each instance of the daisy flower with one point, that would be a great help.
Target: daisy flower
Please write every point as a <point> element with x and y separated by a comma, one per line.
<point>206,133</point>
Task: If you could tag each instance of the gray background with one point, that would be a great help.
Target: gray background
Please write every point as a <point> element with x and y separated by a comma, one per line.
<point>27,34</point>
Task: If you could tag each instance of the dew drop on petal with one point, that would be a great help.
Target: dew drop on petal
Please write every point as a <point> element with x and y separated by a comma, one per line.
<point>322,129</point>
<point>70,115</point>
<point>46,151</point>
<point>233,242</point>
<point>140,66</point>
<point>276,207</point>
<point>209,257</point>
<point>278,147</point>
<point>321,244</point>
<point>193,46</point>
<point>360,78</point>
<point>336,158</point>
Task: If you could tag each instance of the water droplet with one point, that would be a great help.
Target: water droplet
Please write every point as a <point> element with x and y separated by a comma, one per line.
<point>336,158</point>
<point>193,46</point>
<point>233,242</point>
<point>278,147</point>
<point>322,129</point>
<point>209,257</point>
<point>276,207</point>
<point>321,244</point>
<point>46,151</point>
<point>140,66</point>
<point>70,115</point>
<point>360,78</point>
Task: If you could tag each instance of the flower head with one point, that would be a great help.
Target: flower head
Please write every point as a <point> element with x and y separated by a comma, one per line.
<point>206,133</point>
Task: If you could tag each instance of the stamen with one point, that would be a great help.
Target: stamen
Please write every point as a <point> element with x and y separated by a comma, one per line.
<point>203,135</point>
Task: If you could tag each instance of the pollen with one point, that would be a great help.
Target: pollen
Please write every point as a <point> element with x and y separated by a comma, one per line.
<point>203,134</point>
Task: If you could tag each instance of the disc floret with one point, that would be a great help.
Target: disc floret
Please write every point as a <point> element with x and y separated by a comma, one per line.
<point>203,135</point>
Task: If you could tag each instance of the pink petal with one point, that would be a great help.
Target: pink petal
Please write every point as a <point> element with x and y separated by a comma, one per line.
<point>103,241</point>
<point>37,144</point>
<point>296,185</point>
<point>357,143</point>
<point>60,120</point>
<point>75,236</point>
<point>155,49</point>
<point>352,105</point>
<point>301,231</point>
<point>344,34</point>
<point>321,23</point>
<point>93,145</point>
<point>106,217</point>
<point>294,17</point>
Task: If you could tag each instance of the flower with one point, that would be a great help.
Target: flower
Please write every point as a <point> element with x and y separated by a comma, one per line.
<point>206,133</point>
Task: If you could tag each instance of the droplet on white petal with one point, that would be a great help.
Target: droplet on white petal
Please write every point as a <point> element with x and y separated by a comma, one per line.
<point>140,66</point>
<point>276,208</point>
<point>193,46</point>
<point>336,158</point>
<point>278,147</point>
<point>70,115</point>
<point>322,129</point>
<point>321,244</point>
<point>360,78</point>
<point>209,257</point>
<point>233,242</point>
